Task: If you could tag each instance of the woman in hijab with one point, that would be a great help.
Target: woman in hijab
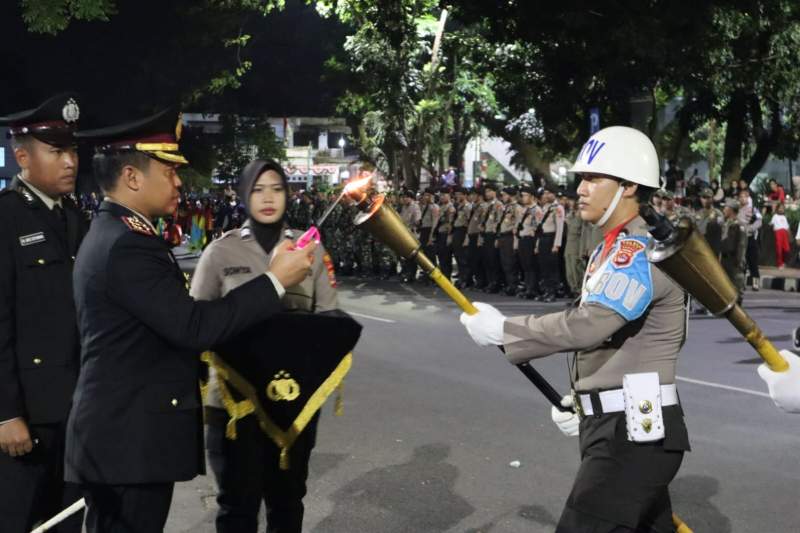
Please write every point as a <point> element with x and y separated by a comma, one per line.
<point>247,467</point>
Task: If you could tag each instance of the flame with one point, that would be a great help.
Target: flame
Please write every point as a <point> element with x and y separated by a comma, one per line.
<point>357,188</point>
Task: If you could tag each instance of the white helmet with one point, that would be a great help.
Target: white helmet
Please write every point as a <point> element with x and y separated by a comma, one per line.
<point>622,152</point>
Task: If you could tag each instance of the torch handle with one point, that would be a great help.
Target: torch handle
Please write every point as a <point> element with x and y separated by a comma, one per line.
<point>753,335</point>
<point>458,297</point>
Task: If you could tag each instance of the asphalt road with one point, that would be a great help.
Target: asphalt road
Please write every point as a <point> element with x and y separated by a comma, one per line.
<point>432,423</point>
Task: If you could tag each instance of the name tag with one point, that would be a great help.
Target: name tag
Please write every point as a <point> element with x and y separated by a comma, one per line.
<point>231,271</point>
<point>33,238</point>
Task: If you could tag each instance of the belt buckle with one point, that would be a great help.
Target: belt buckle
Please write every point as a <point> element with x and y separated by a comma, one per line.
<point>576,403</point>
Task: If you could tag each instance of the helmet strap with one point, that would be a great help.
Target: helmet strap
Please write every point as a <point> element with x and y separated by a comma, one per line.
<point>612,206</point>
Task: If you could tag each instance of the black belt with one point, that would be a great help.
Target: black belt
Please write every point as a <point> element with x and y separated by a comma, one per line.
<point>507,233</point>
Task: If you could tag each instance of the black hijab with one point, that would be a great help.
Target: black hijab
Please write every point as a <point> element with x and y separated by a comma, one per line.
<point>267,235</point>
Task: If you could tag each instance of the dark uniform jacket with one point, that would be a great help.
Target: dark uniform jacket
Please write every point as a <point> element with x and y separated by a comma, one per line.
<point>39,350</point>
<point>136,416</point>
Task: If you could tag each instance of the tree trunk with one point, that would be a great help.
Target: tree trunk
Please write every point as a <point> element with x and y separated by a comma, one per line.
<point>765,139</point>
<point>532,156</point>
<point>734,137</point>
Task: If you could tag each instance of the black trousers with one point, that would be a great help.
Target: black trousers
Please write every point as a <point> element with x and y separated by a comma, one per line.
<point>247,471</point>
<point>474,260</point>
<point>444,254</point>
<point>548,263</point>
<point>751,256</point>
<point>460,252</point>
<point>32,487</point>
<point>527,261</point>
<point>490,259</point>
<point>427,249</point>
<point>508,260</point>
<point>127,508</point>
<point>622,486</point>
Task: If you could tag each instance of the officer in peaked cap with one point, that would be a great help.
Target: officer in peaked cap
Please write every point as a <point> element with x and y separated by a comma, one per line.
<point>135,426</point>
<point>40,231</point>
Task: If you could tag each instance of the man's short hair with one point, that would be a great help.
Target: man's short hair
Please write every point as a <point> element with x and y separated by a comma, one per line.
<point>107,167</point>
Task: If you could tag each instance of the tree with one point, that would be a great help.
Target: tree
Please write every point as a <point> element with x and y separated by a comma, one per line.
<point>409,115</point>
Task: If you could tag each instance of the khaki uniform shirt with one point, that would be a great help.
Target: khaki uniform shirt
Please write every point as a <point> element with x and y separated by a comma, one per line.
<point>528,221</point>
<point>607,346</point>
<point>463,212</point>
<point>508,218</point>
<point>574,224</point>
<point>430,212</point>
<point>236,258</point>
<point>477,212</point>
<point>554,222</point>
<point>492,215</point>
<point>411,215</point>
<point>444,222</point>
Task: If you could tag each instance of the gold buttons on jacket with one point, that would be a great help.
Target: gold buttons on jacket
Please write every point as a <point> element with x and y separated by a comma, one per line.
<point>37,361</point>
<point>174,402</point>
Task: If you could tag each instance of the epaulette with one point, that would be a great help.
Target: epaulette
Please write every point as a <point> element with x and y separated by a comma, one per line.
<point>135,224</point>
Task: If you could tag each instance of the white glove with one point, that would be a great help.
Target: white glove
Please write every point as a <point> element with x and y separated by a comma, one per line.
<point>486,326</point>
<point>567,421</point>
<point>784,387</point>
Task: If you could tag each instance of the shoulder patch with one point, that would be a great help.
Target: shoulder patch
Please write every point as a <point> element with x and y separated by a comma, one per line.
<point>134,224</point>
<point>326,259</point>
<point>624,283</point>
<point>627,251</point>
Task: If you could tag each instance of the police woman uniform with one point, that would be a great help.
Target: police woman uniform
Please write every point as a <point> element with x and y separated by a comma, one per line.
<point>626,334</point>
<point>247,468</point>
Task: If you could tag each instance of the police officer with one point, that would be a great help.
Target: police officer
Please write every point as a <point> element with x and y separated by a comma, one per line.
<point>507,240</point>
<point>459,235</point>
<point>136,425</point>
<point>708,220</point>
<point>443,233</point>
<point>428,217</point>
<point>733,246</point>
<point>40,231</point>
<point>490,259</point>
<point>751,220</point>
<point>477,277</point>
<point>548,244</point>
<point>627,332</point>
<point>526,235</point>
<point>573,262</point>
<point>247,467</point>
<point>411,216</point>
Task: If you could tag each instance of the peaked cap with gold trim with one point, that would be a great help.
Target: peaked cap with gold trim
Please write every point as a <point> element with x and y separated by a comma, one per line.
<point>53,122</point>
<point>157,136</point>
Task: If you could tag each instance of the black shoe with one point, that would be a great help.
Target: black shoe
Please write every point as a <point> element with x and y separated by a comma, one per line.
<point>549,299</point>
<point>492,289</point>
<point>510,291</point>
<point>522,295</point>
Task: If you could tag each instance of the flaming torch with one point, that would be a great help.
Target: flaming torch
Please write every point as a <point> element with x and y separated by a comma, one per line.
<point>383,222</point>
<point>685,256</point>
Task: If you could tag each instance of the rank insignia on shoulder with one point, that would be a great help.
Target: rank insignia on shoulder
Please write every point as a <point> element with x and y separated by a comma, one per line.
<point>135,224</point>
<point>329,267</point>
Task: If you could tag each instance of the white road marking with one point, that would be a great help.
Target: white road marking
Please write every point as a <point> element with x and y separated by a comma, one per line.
<point>370,317</point>
<point>722,386</point>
